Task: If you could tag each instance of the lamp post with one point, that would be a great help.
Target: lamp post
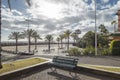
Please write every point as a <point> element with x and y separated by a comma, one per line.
<point>28,35</point>
<point>95,31</point>
<point>0,34</point>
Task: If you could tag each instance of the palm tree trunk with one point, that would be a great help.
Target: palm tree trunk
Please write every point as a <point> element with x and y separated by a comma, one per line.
<point>61,44</point>
<point>0,34</point>
<point>58,44</point>
<point>49,46</point>
<point>29,42</point>
<point>29,45</point>
<point>114,28</point>
<point>74,40</point>
<point>35,43</point>
<point>68,43</point>
<point>29,38</point>
<point>16,44</point>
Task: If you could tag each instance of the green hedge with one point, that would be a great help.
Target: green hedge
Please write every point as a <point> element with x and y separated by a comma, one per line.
<point>104,51</point>
<point>89,51</point>
<point>74,52</point>
<point>115,47</point>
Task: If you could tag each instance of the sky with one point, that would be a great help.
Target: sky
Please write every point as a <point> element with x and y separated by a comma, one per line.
<point>56,16</point>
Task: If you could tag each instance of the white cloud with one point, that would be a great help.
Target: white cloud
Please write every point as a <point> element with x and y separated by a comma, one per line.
<point>55,16</point>
<point>105,1</point>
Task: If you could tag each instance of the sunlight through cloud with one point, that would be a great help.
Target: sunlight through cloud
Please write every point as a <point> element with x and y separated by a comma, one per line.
<point>47,9</point>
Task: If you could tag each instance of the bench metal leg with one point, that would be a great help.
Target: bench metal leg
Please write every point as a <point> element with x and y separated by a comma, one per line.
<point>53,69</point>
<point>75,74</point>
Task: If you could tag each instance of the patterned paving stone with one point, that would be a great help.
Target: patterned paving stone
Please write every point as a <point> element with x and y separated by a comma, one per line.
<point>60,75</point>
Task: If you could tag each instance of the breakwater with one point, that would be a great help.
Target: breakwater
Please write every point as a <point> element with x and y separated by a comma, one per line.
<point>26,43</point>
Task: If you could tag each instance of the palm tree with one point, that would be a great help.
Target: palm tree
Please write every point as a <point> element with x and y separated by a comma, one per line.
<point>103,29</point>
<point>65,38</point>
<point>28,34</point>
<point>73,35</point>
<point>114,23</point>
<point>61,39</point>
<point>67,34</point>
<point>28,2</point>
<point>15,36</point>
<point>49,38</point>
<point>58,40</point>
<point>36,36</point>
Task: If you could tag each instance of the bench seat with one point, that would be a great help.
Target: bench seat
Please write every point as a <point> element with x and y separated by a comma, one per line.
<point>64,62</point>
<point>63,65</point>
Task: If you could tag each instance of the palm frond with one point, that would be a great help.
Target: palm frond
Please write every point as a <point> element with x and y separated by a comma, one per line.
<point>28,2</point>
<point>15,35</point>
<point>113,22</point>
<point>58,39</point>
<point>49,38</point>
<point>9,4</point>
<point>67,33</point>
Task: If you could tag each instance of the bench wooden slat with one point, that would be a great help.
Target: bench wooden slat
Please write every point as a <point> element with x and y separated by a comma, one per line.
<point>65,62</point>
<point>57,64</point>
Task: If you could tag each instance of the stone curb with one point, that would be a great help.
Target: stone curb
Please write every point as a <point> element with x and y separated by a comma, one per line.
<point>44,65</point>
<point>100,72</point>
<point>18,72</point>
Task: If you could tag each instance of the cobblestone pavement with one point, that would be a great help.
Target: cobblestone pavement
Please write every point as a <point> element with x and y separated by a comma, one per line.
<point>61,75</point>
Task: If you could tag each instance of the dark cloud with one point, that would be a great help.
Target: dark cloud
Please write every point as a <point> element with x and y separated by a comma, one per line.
<point>88,28</point>
<point>6,23</point>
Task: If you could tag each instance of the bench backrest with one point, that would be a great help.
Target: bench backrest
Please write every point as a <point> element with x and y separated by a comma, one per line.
<point>65,60</point>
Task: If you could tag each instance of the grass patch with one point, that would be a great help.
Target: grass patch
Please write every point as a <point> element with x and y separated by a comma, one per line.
<point>20,64</point>
<point>114,69</point>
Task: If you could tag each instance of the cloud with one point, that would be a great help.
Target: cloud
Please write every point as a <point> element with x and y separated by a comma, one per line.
<point>105,1</point>
<point>61,15</point>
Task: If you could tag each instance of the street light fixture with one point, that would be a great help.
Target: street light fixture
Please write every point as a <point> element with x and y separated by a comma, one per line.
<point>0,34</point>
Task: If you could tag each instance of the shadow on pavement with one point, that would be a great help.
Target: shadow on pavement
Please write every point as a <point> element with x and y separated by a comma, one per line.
<point>45,74</point>
<point>63,76</point>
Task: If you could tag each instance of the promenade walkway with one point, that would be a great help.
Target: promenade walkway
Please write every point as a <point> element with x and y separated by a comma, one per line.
<point>100,60</point>
<point>63,75</point>
<point>94,60</point>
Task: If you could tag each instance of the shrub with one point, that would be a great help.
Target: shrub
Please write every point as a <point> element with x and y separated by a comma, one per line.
<point>115,47</point>
<point>89,51</point>
<point>105,51</point>
<point>74,52</point>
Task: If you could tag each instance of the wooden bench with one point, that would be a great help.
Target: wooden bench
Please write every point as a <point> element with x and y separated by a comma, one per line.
<point>65,63</point>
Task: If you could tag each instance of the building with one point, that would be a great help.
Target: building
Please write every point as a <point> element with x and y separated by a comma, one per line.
<point>116,35</point>
<point>118,13</point>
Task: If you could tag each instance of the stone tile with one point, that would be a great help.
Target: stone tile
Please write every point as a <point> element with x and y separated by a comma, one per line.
<point>60,75</point>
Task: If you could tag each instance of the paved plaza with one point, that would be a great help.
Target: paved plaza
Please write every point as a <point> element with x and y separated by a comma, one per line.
<point>60,75</point>
<point>64,75</point>
<point>100,60</point>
